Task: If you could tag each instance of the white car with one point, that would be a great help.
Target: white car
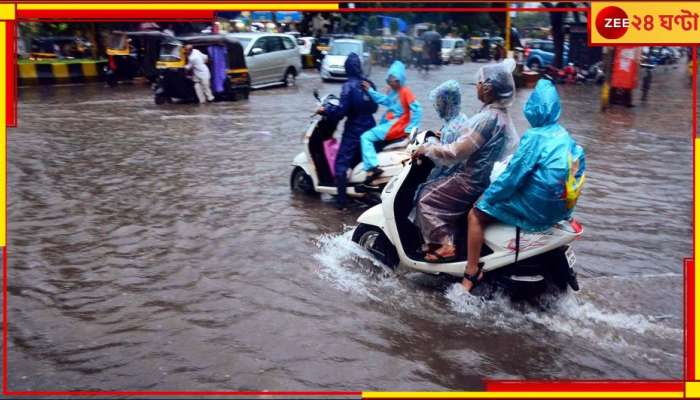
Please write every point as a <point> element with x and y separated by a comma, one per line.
<point>305,48</point>
<point>453,50</point>
<point>272,58</point>
<point>333,65</point>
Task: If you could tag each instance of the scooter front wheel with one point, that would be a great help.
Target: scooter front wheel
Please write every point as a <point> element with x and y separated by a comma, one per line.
<point>373,239</point>
<point>300,181</point>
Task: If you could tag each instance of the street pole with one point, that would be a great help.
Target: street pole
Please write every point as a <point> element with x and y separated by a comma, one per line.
<point>507,35</point>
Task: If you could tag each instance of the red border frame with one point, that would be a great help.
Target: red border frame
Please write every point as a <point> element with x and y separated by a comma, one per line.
<point>208,15</point>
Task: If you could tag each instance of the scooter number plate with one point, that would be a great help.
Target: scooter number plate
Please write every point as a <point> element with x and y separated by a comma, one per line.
<point>570,257</point>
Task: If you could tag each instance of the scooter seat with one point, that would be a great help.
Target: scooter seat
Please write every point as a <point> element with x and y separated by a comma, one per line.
<point>394,144</point>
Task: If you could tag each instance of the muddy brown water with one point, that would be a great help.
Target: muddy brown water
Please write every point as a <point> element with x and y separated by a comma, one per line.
<point>160,248</point>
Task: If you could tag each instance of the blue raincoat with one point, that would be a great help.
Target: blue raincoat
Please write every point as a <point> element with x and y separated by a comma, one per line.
<point>393,115</point>
<point>357,107</point>
<point>542,181</point>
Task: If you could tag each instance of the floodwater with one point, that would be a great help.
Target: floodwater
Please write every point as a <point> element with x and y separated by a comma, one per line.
<point>160,248</point>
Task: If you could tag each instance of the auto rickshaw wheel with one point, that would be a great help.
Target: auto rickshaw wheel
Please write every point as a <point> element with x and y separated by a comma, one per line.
<point>111,80</point>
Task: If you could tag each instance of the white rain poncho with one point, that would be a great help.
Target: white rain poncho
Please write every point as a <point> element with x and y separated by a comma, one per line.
<point>488,137</point>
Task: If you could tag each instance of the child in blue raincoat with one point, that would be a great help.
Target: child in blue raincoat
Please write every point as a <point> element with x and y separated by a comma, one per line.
<point>403,114</point>
<point>540,185</point>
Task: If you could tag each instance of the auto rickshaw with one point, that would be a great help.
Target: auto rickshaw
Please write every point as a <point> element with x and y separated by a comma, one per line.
<point>131,54</point>
<point>479,48</point>
<point>174,82</point>
<point>387,50</point>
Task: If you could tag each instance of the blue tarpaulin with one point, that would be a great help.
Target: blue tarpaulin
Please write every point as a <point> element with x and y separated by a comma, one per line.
<point>386,22</point>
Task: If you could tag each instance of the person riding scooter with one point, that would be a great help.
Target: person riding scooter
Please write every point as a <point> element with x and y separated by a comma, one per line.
<point>446,99</point>
<point>540,185</point>
<point>489,137</point>
<point>403,114</point>
<point>358,107</point>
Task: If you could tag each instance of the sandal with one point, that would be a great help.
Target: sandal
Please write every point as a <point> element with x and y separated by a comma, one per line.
<point>437,258</point>
<point>476,278</point>
<point>372,174</point>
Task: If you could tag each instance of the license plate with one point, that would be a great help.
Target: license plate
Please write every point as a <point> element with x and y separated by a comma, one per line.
<point>570,257</point>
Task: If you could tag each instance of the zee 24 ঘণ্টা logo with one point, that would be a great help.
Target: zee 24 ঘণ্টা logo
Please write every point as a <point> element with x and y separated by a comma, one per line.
<point>612,22</point>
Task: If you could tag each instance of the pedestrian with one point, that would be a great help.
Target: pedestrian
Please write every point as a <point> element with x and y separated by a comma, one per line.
<point>489,137</point>
<point>197,63</point>
<point>403,114</point>
<point>539,187</point>
<point>358,107</point>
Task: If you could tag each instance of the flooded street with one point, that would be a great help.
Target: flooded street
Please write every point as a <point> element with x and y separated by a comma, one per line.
<point>160,248</point>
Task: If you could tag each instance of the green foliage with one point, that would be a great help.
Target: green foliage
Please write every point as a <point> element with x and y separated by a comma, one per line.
<point>393,26</point>
<point>373,23</point>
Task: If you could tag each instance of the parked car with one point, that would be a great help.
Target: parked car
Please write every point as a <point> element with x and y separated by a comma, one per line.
<point>272,58</point>
<point>333,65</point>
<point>305,48</point>
<point>306,44</point>
<point>540,54</point>
<point>453,50</point>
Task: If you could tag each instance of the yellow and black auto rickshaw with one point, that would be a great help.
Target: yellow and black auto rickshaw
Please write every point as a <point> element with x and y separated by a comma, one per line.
<point>131,54</point>
<point>229,74</point>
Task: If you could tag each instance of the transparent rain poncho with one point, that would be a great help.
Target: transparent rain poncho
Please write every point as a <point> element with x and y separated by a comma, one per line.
<point>489,136</point>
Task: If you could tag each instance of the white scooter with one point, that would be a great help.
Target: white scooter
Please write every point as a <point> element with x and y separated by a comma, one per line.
<point>524,264</point>
<point>312,172</point>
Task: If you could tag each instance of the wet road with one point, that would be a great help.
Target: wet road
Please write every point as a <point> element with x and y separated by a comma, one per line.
<point>159,247</point>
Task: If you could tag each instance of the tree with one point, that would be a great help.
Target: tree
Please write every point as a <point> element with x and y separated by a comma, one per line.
<point>393,26</point>
<point>373,24</point>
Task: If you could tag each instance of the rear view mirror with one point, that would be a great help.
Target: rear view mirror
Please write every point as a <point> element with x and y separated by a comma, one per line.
<point>256,51</point>
<point>316,95</point>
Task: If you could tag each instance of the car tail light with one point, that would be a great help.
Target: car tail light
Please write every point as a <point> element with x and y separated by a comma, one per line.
<point>527,51</point>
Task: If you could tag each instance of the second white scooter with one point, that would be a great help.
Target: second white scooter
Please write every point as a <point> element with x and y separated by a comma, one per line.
<point>312,173</point>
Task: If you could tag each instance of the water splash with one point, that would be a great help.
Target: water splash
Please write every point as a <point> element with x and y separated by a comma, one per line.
<point>350,268</point>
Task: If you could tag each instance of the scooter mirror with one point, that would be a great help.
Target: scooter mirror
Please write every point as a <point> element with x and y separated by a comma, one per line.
<point>316,95</point>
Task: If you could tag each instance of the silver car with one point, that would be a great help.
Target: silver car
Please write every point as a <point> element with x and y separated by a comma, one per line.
<point>453,50</point>
<point>271,58</point>
<point>333,66</point>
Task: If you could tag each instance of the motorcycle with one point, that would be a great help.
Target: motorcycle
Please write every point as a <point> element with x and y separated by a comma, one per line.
<point>523,264</point>
<point>593,73</point>
<point>313,172</point>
